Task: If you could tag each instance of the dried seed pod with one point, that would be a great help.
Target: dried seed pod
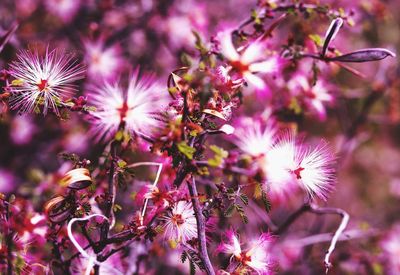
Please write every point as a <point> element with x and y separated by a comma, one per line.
<point>77,179</point>
<point>58,209</point>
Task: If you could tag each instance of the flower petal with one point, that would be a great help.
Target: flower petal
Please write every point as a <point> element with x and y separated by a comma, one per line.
<point>227,48</point>
<point>254,80</point>
<point>268,66</point>
<point>252,53</point>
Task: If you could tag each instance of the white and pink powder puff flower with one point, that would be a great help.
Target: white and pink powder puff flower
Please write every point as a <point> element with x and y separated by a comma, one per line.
<point>287,163</point>
<point>180,223</point>
<point>249,61</point>
<point>315,97</point>
<point>257,256</point>
<point>290,164</point>
<point>43,80</point>
<point>138,108</point>
<point>103,62</point>
<point>391,250</point>
<point>255,137</point>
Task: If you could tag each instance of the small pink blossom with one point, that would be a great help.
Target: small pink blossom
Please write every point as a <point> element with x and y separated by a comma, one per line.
<point>391,249</point>
<point>103,62</point>
<point>315,97</point>
<point>180,223</point>
<point>249,61</point>
<point>64,9</point>
<point>256,257</point>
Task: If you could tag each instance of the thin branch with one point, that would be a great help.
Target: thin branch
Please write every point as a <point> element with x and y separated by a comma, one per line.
<point>345,219</point>
<point>160,166</point>
<point>109,213</point>
<point>201,227</point>
<point>309,207</point>
<point>327,237</point>
<point>292,218</point>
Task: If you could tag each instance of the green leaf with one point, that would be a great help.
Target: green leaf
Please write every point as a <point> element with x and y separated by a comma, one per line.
<point>192,268</point>
<point>199,43</point>
<point>183,257</point>
<point>219,151</point>
<point>119,135</point>
<point>186,149</point>
<point>241,212</point>
<point>17,82</point>
<point>229,211</point>
<point>215,161</point>
<point>266,202</point>
<point>316,39</point>
<point>117,207</point>
<point>244,199</point>
<point>121,163</point>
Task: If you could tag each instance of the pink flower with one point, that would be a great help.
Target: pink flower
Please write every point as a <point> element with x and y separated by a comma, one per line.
<point>249,62</point>
<point>22,130</point>
<point>287,163</point>
<point>138,108</point>
<point>256,256</point>
<point>43,80</point>
<point>180,223</point>
<point>277,165</point>
<point>314,170</point>
<point>64,9</point>
<point>103,62</point>
<point>315,96</point>
<point>254,137</point>
<point>391,249</point>
<point>290,164</point>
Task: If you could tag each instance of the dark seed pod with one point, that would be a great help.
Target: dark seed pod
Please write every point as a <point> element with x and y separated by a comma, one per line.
<point>77,179</point>
<point>58,209</point>
<point>364,55</point>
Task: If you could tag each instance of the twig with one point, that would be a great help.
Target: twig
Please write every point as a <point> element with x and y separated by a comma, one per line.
<point>345,219</point>
<point>201,227</point>
<point>110,196</point>
<point>327,237</point>
<point>292,218</point>
<point>160,166</point>
<point>309,207</point>
<point>9,243</point>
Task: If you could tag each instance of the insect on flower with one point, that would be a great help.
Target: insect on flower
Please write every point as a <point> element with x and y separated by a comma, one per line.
<point>138,108</point>
<point>43,81</point>
<point>180,224</point>
<point>256,257</point>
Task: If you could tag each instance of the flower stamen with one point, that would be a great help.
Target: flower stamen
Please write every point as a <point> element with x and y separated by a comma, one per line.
<point>42,85</point>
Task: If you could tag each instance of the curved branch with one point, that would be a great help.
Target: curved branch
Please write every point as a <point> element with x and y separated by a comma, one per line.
<point>309,207</point>
<point>345,219</point>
